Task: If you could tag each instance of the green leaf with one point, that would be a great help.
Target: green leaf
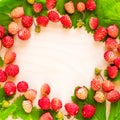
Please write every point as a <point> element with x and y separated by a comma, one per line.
<point>1,62</point>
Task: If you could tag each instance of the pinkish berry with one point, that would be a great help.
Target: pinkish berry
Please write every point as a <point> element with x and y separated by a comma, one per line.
<point>44,103</point>
<point>45,89</point>
<point>80,6</point>
<point>117,62</point>
<point>10,88</point>
<point>88,111</point>
<point>46,116</point>
<point>3,76</point>
<point>53,16</point>
<point>27,21</point>
<point>90,5</point>
<point>99,97</point>
<point>113,31</point>
<point>56,104</point>
<point>96,84</point>
<point>37,7</point>
<point>72,108</point>
<point>22,86</point>
<point>7,41</point>
<point>12,70</point>
<point>50,4</point>
<point>2,31</point>
<point>93,23</point>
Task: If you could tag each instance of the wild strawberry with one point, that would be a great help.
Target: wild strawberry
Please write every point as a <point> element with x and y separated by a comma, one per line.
<point>117,62</point>
<point>109,56</point>
<point>93,23</point>
<point>0,44</point>
<point>37,7</point>
<point>112,71</point>
<point>45,89</point>
<point>9,57</point>
<point>7,41</point>
<point>44,103</point>
<point>118,48</point>
<point>113,31</point>
<point>90,5</point>
<point>31,1</point>
<point>13,28</point>
<point>24,34</point>
<point>10,88</point>
<point>99,97</point>
<point>111,43</point>
<point>100,34</point>
<point>66,21</point>
<point>72,108</point>
<point>2,31</point>
<point>27,21</point>
<point>107,86</point>
<point>17,12</point>
<point>3,76</point>
<point>80,6</point>
<point>96,84</point>
<point>12,70</point>
<point>88,111</point>
<point>46,116</point>
<point>81,93</point>
<point>22,86</point>
<point>113,96</point>
<point>42,21</point>
<point>53,16</point>
<point>50,4</point>
<point>30,94</point>
<point>56,104</point>
<point>69,7</point>
<point>27,106</point>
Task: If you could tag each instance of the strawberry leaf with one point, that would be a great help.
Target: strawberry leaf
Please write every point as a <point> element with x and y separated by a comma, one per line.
<point>1,62</point>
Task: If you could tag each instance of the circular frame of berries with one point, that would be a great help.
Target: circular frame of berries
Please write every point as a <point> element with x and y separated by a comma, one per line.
<point>86,103</point>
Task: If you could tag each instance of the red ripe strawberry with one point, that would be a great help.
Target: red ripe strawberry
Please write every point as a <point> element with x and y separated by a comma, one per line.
<point>24,34</point>
<point>80,6</point>
<point>113,96</point>
<point>2,31</point>
<point>45,89</point>
<point>3,76</point>
<point>10,88</point>
<point>46,116</point>
<point>27,21</point>
<point>42,20</point>
<point>66,21</point>
<point>93,23</point>
<point>50,4</point>
<point>8,41</point>
<point>22,86</point>
<point>112,71</point>
<point>72,108</point>
<point>9,57</point>
<point>113,31</point>
<point>96,84</point>
<point>69,7</point>
<point>44,103</point>
<point>100,34</point>
<point>109,56</point>
<point>53,16</point>
<point>111,43</point>
<point>56,104</point>
<point>88,111</point>
<point>90,5</point>
<point>117,62</point>
<point>17,12</point>
<point>37,7</point>
<point>12,70</point>
<point>107,86</point>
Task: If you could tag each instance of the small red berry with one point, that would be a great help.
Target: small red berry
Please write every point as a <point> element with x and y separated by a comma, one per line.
<point>53,16</point>
<point>80,6</point>
<point>10,88</point>
<point>96,84</point>
<point>90,5</point>
<point>113,31</point>
<point>42,21</point>
<point>72,108</point>
<point>3,76</point>
<point>2,31</point>
<point>50,4</point>
<point>117,62</point>
<point>93,23</point>
<point>88,111</point>
<point>7,41</point>
<point>46,116</point>
<point>12,70</point>
<point>37,7</point>
<point>44,103</point>
<point>45,89</point>
<point>27,21</point>
<point>22,86</point>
